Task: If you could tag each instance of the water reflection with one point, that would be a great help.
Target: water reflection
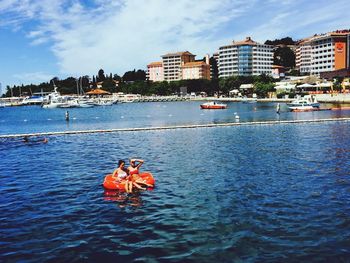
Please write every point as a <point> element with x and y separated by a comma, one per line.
<point>123,199</point>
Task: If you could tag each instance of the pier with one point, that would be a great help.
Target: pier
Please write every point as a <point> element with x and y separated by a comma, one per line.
<point>194,126</point>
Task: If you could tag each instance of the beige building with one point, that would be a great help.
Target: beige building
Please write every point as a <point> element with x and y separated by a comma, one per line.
<point>155,71</point>
<point>172,64</point>
<point>196,70</point>
<point>178,66</point>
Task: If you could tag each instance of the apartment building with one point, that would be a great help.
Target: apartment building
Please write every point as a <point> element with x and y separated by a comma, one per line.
<point>155,71</point>
<point>172,64</point>
<point>178,66</point>
<point>196,70</point>
<point>324,53</point>
<point>245,58</point>
<point>303,57</point>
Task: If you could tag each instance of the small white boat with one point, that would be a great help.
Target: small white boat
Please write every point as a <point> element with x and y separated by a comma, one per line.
<point>305,103</point>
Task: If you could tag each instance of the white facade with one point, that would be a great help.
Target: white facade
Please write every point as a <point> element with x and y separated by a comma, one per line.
<point>322,55</point>
<point>245,58</point>
<point>262,59</point>
<point>303,58</point>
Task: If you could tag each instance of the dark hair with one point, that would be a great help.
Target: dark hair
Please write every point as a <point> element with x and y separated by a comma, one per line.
<point>120,162</point>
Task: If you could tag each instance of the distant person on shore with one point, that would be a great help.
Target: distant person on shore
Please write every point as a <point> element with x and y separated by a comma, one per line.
<point>134,171</point>
<point>278,108</point>
<point>67,116</point>
<point>121,173</point>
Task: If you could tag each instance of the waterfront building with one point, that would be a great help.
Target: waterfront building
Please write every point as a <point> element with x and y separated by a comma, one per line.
<point>245,58</point>
<point>196,69</point>
<point>172,64</point>
<point>178,66</point>
<point>155,71</point>
<point>303,57</point>
<point>324,53</point>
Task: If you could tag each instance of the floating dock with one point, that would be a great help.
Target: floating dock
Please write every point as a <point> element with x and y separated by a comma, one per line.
<point>194,126</point>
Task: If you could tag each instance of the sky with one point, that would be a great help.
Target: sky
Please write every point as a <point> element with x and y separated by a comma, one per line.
<point>42,39</point>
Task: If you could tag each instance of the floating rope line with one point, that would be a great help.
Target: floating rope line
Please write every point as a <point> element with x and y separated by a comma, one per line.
<point>194,126</point>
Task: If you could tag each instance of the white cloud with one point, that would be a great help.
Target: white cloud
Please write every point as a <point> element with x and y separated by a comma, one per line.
<point>119,35</point>
<point>122,35</point>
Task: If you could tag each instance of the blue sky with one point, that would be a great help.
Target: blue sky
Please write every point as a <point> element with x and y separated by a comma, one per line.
<point>41,39</point>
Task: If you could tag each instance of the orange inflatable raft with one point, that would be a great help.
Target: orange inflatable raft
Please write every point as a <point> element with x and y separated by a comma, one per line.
<point>111,184</point>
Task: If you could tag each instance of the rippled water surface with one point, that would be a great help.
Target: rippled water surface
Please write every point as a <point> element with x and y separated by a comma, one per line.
<point>270,193</point>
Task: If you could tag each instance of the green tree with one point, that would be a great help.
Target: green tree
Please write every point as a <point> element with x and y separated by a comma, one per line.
<point>285,57</point>
<point>261,89</point>
<point>282,41</point>
<point>101,75</point>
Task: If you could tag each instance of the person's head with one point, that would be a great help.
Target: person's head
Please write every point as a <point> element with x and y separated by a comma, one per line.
<point>121,163</point>
<point>132,162</point>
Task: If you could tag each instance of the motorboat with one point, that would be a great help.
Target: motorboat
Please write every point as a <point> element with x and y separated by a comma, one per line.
<point>306,103</point>
<point>213,105</point>
<point>55,100</point>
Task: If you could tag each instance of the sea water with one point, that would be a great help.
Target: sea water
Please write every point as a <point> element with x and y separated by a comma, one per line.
<point>245,193</point>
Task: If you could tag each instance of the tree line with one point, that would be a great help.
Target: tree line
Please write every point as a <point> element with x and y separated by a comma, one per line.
<point>135,82</point>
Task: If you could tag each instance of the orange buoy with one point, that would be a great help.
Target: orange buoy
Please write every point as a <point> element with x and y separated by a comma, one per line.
<point>111,183</point>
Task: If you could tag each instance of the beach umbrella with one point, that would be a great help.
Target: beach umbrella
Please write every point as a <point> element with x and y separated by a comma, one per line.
<point>98,92</point>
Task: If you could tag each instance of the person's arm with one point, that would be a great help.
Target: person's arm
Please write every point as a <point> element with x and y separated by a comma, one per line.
<point>115,173</point>
<point>140,163</point>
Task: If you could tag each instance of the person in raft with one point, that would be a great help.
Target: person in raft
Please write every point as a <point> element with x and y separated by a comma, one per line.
<point>120,174</point>
<point>134,170</point>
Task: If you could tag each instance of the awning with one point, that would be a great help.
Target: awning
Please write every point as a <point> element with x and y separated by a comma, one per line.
<point>98,92</point>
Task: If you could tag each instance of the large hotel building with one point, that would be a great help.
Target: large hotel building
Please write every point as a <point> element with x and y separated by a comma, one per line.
<point>245,58</point>
<point>324,53</point>
<point>178,66</point>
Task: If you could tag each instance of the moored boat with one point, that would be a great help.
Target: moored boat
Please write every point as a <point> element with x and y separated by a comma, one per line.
<point>213,105</point>
<point>306,103</point>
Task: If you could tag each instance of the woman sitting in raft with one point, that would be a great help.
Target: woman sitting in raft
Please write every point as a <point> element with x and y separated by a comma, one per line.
<point>120,174</point>
<point>134,172</point>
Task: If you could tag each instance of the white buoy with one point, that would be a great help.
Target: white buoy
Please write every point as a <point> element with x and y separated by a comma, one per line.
<point>122,117</point>
<point>235,113</point>
<point>237,117</point>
